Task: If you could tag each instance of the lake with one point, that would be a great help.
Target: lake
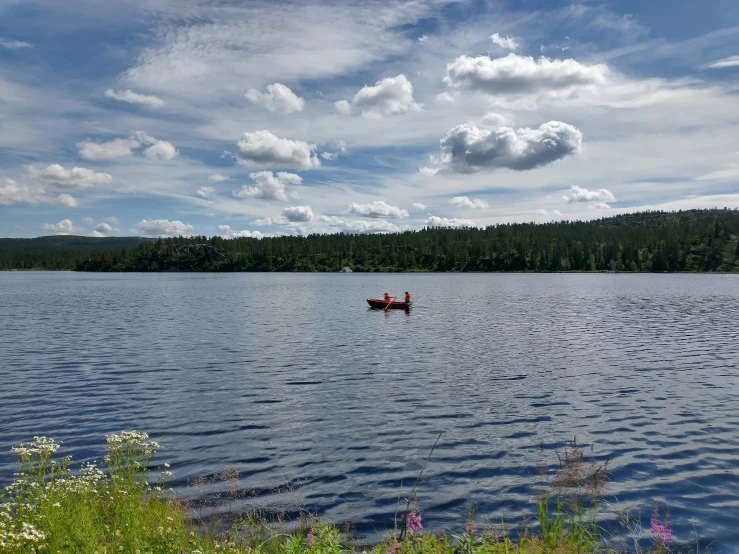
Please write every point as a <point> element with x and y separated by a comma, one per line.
<point>325,404</point>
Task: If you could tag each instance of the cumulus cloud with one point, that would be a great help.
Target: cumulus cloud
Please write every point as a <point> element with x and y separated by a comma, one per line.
<point>509,43</point>
<point>600,206</point>
<point>64,227</point>
<point>75,178</point>
<point>550,214</point>
<point>228,233</point>
<point>20,193</point>
<point>434,221</point>
<point>514,74</point>
<point>268,186</point>
<point>465,202</point>
<point>116,148</point>
<point>264,222</point>
<point>161,150</point>
<point>493,120</point>
<point>731,61</point>
<point>121,147</point>
<point>263,149</point>
<point>445,98</point>
<point>419,206</point>
<point>206,191</point>
<point>468,149</point>
<point>359,225</point>
<point>298,214</point>
<point>378,208</point>
<point>578,194</point>
<point>161,227</point>
<point>105,228</point>
<point>14,44</point>
<point>131,97</point>
<point>278,98</point>
<point>218,177</point>
<point>329,156</point>
<point>392,95</point>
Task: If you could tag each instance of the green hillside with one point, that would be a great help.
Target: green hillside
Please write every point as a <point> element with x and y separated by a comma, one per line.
<point>693,241</point>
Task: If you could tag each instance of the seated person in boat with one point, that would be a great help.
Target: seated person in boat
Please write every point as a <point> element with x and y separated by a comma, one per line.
<point>388,298</point>
<point>407,297</point>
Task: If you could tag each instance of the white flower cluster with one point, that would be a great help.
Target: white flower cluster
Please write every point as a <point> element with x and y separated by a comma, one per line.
<point>40,447</point>
<point>12,540</point>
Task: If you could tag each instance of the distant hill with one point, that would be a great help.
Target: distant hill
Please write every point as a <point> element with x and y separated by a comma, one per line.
<point>652,241</point>
<point>57,251</point>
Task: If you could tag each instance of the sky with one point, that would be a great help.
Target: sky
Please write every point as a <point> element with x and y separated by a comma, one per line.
<point>263,118</point>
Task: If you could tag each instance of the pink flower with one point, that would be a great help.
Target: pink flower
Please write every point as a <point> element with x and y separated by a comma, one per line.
<point>662,532</point>
<point>309,540</point>
<point>470,527</point>
<point>414,522</point>
<point>394,549</point>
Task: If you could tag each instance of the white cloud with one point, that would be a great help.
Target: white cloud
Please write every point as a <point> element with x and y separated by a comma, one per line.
<point>549,214</point>
<point>268,186</point>
<point>20,193</point>
<point>298,214</point>
<point>265,222</point>
<point>600,206</point>
<point>730,173</point>
<point>731,61</point>
<point>392,95</point>
<point>514,74</point>
<point>218,177</point>
<point>76,178</point>
<point>206,191</point>
<point>122,147</point>
<point>422,39</point>
<point>134,98</point>
<point>263,149</point>
<point>468,149</point>
<point>419,206</point>
<point>465,202</point>
<point>445,98</point>
<point>105,228</point>
<point>19,227</point>
<point>337,224</point>
<point>161,150</point>
<point>509,43</point>
<point>278,98</point>
<point>493,120</point>
<point>64,227</point>
<point>14,44</point>
<point>343,107</point>
<point>331,156</point>
<point>378,208</point>
<point>578,194</point>
<point>88,220</point>
<point>434,221</point>
<point>228,233</point>
<point>161,227</point>
<point>116,148</point>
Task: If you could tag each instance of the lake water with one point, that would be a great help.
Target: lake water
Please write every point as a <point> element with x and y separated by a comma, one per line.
<point>334,407</point>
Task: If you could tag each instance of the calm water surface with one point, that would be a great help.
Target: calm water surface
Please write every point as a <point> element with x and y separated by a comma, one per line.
<point>292,379</point>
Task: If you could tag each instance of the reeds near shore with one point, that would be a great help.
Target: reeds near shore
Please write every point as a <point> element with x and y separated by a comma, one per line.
<point>51,509</point>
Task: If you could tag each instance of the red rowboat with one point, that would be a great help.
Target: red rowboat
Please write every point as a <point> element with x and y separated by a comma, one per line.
<point>382,305</point>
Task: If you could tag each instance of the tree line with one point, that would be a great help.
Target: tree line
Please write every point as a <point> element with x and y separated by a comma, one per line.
<point>651,241</point>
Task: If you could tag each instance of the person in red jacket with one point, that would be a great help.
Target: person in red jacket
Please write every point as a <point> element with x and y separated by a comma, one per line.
<point>407,297</point>
<point>388,298</point>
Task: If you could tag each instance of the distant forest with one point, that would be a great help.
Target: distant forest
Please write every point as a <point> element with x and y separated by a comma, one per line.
<point>692,241</point>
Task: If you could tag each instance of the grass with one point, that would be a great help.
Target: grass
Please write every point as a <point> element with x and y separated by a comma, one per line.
<point>50,509</point>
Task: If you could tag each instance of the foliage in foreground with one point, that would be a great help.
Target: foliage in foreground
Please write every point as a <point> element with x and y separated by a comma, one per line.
<point>47,508</point>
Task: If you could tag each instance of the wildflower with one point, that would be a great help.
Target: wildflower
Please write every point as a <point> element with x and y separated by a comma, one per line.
<point>662,532</point>
<point>394,549</point>
<point>414,522</point>
<point>470,528</point>
<point>309,540</point>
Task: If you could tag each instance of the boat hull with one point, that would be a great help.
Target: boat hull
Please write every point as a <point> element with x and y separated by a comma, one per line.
<point>382,305</point>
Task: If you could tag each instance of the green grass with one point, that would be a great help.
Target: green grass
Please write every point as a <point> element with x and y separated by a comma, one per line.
<point>50,509</point>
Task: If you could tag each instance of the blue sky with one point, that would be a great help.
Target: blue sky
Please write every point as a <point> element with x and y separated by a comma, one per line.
<point>164,117</point>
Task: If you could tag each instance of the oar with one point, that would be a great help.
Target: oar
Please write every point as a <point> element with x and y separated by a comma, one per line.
<point>388,304</point>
